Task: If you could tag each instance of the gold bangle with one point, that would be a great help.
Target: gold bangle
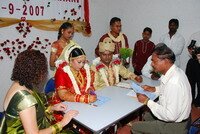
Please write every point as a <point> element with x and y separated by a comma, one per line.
<point>75,98</point>
<point>53,129</point>
<point>129,124</point>
<point>59,126</point>
<point>82,98</point>
<point>146,101</point>
<point>88,98</point>
<point>56,128</point>
<point>54,50</point>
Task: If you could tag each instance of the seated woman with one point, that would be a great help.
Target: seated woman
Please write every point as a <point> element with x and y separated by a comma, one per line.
<point>65,34</point>
<point>73,78</point>
<point>25,109</point>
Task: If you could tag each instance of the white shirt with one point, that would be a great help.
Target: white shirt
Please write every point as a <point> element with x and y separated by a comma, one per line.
<point>146,70</point>
<point>175,97</point>
<point>176,44</point>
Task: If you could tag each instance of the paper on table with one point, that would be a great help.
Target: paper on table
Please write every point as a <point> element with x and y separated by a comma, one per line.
<point>123,84</point>
<point>131,93</point>
<point>138,89</point>
<point>100,100</point>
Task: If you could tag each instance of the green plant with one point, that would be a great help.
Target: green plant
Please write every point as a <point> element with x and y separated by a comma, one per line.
<point>125,52</point>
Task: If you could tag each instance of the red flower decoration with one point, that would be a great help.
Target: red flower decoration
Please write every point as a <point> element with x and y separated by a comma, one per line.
<point>23,28</point>
<point>12,48</point>
<point>99,66</point>
<point>116,61</point>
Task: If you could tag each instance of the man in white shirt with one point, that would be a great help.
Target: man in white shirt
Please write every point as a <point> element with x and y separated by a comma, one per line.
<point>148,71</point>
<point>193,67</point>
<point>170,114</point>
<point>174,40</point>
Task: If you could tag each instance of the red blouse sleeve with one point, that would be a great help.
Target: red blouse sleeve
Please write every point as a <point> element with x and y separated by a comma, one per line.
<point>62,81</point>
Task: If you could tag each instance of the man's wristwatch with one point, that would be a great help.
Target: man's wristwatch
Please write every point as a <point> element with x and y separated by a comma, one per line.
<point>146,101</point>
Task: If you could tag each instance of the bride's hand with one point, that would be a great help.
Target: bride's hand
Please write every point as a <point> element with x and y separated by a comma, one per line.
<point>59,107</point>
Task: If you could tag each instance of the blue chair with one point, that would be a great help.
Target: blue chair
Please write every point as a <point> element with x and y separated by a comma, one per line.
<point>2,123</point>
<point>50,86</point>
<point>1,115</point>
<point>195,127</point>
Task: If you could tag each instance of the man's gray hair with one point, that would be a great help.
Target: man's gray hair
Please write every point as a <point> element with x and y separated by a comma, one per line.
<point>164,52</point>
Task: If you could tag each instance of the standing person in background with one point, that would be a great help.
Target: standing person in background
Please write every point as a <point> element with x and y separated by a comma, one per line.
<point>65,34</point>
<point>142,50</point>
<point>119,39</point>
<point>148,70</point>
<point>193,67</point>
<point>174,40</point>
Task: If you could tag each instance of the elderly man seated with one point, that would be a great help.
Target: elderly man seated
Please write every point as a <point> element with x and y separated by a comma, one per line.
<point>171,113</point>
<point>108,67</point>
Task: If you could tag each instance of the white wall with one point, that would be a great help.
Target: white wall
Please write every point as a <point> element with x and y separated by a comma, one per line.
<point>135,15</point>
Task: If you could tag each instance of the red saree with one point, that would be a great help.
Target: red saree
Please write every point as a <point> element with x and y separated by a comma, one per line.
<point>63,82</point>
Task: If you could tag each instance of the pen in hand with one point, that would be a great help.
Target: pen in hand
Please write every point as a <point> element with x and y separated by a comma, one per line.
<point>92,92</point>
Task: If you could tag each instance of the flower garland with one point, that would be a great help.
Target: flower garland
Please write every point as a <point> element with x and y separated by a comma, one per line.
<point>73,80</point>
<point>118,39</point>
<point>100,67</point>
<point>117,62</point>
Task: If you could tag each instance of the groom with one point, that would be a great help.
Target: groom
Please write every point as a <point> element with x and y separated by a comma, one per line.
<point>108,67</point>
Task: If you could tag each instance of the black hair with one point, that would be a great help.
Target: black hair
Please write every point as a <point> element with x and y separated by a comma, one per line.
<point>76,52</point>
<point>148,30</point>
<point>197,50</point>
<point>114,19</point>
<point>164,52</point>
<point>65,25</point>
<point>174,21</point>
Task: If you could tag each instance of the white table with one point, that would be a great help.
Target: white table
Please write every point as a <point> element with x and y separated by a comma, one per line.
<point>97,119</point>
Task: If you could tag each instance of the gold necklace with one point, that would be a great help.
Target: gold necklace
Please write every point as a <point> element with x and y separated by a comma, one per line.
<point>78,77</point>
<point>64,43</point>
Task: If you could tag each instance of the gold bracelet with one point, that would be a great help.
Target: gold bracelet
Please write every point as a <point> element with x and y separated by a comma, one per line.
<point>53,129</point>
<point>75,98</point>
<point>82,98</point>
<point>54,50</point>
<point>48,110</point>
<point>56,128</point>
<point>129,124</point>
<point>59,126</point>
<point>146,101</point>
<point>88,98</point>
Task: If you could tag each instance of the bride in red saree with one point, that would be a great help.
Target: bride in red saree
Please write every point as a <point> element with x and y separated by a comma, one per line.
<point>73,78</point>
